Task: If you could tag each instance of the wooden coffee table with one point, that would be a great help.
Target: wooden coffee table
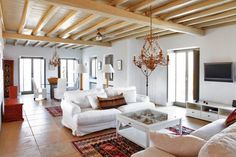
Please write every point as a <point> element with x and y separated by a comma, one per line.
<point>139,124</point>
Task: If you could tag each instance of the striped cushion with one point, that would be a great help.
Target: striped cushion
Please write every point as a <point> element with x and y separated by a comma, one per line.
<point>231,118</point>
<point>112,102</point>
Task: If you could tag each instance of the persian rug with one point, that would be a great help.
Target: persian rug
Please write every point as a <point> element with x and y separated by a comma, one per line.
<point>108,145</point>
<point>55,111</point>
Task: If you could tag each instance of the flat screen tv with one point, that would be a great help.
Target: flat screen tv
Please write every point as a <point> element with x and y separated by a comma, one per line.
<point>221,72</point>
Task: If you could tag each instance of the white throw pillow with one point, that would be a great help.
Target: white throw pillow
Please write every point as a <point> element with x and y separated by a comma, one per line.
<point>220,145</point>
<point>129,93</point>
<point>184,146</point>
<point>94,101</point>
<point>130,96</point>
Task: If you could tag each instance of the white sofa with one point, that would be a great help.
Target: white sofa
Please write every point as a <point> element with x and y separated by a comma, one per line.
<point>221,142</point>
<point>82,118</point>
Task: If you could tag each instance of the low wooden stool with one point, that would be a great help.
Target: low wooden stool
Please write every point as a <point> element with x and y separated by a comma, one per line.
<point>12,110</point>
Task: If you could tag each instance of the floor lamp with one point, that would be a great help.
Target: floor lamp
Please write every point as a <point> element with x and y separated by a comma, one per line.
<point>107,69</point>
<point>81,69</point>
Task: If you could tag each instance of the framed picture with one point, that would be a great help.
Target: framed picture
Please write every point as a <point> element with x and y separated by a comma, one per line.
<point>119,64</point>
<point>100,65</point>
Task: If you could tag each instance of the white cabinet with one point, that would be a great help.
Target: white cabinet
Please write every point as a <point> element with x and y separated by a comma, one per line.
<point>209,112</point>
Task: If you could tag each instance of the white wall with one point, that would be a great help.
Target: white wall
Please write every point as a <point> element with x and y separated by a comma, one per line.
<point>218,45</point>
<point>13,53</point>
<point>119,50</point>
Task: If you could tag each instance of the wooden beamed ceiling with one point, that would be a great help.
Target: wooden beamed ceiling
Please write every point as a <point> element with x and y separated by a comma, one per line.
<point>74,24</point>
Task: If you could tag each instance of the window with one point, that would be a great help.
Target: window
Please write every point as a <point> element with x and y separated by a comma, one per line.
<point>93,67</point>
<point>183,76</point>
<point>66,70</point>
<point>31,67</point>
<point>109,60</point>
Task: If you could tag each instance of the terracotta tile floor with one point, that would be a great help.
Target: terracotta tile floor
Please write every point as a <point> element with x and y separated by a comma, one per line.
<point>41,135</point>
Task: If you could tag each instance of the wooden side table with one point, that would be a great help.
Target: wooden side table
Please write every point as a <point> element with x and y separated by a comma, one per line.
<point>12,110</point>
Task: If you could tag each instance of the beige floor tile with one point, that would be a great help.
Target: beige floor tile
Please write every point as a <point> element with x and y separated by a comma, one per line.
<point>39,116</point>
<point>8,146</point>
<point>57,150</point>
<point>38,122</point>
<point>31,152</point>
<point>15,124</point>
<point>12,134</point>
<point>44,129</point>
<point>51,137</point>
<point>73,155</point>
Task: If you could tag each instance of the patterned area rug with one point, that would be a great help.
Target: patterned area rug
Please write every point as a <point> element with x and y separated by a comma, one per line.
<point>185,130</point>
<point>109,146</point>
<point>55,111</point>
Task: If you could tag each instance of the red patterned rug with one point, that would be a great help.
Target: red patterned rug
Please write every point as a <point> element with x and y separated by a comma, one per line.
<point>108,145</point>
<point>55,111</point>
<point>185,130</point>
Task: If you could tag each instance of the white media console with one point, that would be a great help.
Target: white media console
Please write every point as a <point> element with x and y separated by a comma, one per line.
<point>209,112</point>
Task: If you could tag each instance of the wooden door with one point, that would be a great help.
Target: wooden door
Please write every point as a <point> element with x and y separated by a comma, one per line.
<point>8,72</point>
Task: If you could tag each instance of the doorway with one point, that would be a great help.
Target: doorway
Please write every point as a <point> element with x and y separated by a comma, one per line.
<point>183,76</point>
<point>31,67</point>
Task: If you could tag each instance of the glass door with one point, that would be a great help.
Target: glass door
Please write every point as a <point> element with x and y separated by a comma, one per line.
<point>183,77</point>
<point>31,67</point>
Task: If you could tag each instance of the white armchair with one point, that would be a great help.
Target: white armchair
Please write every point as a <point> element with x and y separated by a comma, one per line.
<point>61,88</point>
<point>38,91</point>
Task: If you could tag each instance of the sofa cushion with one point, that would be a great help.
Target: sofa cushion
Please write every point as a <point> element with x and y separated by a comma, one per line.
<point>128,92</point>
<point>93,100</point>
<point>80,97</point>
<point>96,116</point>
<point>220,145</point>
<point>209,130</point>
<point>131,107</point>
<point>111,102</point>
<point>152,152</point>
<point>231,118</point>
<point>182,146</point>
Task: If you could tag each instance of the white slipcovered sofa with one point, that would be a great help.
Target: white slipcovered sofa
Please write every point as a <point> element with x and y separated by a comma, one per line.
<point>82,116</point>
<point>220,142</point>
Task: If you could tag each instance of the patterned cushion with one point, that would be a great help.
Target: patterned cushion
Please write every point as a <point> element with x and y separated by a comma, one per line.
<point>112,102</point>
<point>231,118</point>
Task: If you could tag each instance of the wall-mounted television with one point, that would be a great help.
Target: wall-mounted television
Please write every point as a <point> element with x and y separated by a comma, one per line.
<point>221,72</point>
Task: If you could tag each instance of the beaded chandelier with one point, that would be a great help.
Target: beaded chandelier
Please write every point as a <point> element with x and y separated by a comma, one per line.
<point>55,61</point>
<point>151,55</point>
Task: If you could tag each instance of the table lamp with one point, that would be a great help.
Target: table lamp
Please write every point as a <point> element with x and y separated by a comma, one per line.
<point>107,69</point>
<point>81,69</point>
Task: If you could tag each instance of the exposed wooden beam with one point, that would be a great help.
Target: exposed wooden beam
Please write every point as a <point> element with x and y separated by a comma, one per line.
<point>46,44</point>
<point>84,47</point>
<point>77,46</point>
<point>107,30</point>
<point>193,8</point>
<point>123,30</point>
<point>37,44</point>
<point>222,25</point>
<point>91,29</point>
<point>141,5</point>
<point>135,34</point>
<point>217,22</point>
<point>49,39</point>
<point>208,12</point>
<point>27,43</point>
<point>62,46</point>
<point>139,30</point>
<point>170,6</point>
<point>16,42</point>
<point>77,25</point>
<point>118,2</point>
<point>24,16</point>
<point>211,18</point>
<point>1,17</point>
<point>71,14</point>
<point>46,17</point>
<point>69,46</point>
<point>144,35</point>
<point>113,12</point>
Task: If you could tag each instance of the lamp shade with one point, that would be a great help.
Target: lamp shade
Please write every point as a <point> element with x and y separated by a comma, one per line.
<point>107,68</point>
<point>80,68</point>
